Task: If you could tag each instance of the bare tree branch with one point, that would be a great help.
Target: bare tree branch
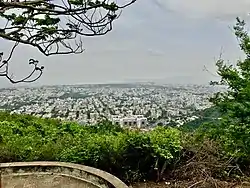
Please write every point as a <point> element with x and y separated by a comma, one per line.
<point>34,75</point>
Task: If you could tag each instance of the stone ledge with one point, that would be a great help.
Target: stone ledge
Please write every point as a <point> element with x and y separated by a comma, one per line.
<point>80,172</point>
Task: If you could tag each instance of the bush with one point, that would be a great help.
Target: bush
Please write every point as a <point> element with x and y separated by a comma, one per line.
<point>130,155</point>
<point>233,139</point>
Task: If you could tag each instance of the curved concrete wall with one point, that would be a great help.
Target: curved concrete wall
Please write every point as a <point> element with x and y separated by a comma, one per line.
<point>55,175</point>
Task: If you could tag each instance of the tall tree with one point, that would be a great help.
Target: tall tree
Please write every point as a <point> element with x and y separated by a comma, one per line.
<point>235,102</point>
<point>234,127</point>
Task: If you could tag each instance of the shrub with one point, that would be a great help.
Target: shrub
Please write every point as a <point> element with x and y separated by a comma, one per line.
<point>130,155</point>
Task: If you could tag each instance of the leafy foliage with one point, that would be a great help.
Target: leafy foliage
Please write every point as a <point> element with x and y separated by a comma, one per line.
<point>131,155</point>
<point>234,104</point>
<point>209,115</point>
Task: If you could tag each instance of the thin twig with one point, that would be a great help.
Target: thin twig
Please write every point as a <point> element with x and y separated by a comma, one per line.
<point>199,182</point>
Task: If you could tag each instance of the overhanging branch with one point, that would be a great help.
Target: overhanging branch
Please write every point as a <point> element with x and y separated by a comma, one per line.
<point>34,75</point>
<point>49,25</point>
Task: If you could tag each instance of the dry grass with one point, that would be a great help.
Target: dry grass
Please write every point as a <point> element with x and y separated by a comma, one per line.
<point>201,166</point>
<point>199,184</point>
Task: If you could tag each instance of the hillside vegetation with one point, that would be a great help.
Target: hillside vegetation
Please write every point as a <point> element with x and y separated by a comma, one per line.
<point>164,153</point>
<point>208,115</point>
<point>131,155</point>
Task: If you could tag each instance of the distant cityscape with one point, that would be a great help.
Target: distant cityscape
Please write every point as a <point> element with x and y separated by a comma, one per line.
<point>133,105</point>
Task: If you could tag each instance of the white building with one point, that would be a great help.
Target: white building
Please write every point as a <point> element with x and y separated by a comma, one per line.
<point>135,121</point>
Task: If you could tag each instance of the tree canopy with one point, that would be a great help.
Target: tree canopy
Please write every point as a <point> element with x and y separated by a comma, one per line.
<point>54,26</point>
<point>235,103</point>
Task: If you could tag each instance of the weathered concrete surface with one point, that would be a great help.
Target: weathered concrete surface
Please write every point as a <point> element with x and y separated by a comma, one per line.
<point>43,181</point>
<point>55,175</point>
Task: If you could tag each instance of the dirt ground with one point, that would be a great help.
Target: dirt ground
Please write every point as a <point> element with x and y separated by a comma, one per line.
<point>200,184</point>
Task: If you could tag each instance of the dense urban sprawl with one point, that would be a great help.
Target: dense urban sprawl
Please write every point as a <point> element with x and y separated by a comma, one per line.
<point>88,104</point>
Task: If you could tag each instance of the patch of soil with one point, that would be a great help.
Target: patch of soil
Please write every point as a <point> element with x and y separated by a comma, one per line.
<point>199,184</point>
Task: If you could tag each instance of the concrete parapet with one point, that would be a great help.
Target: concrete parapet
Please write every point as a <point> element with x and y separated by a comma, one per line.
<point>55,175</point>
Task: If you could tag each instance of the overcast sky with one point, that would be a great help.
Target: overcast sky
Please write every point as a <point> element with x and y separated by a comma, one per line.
<point>167,41</point>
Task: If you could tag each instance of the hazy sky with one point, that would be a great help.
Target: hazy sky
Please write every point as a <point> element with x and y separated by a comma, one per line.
<point>160,40</point>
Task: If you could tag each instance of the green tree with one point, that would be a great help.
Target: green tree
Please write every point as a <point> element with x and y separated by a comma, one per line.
<point>235,102</point>
<point>234,128</point>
